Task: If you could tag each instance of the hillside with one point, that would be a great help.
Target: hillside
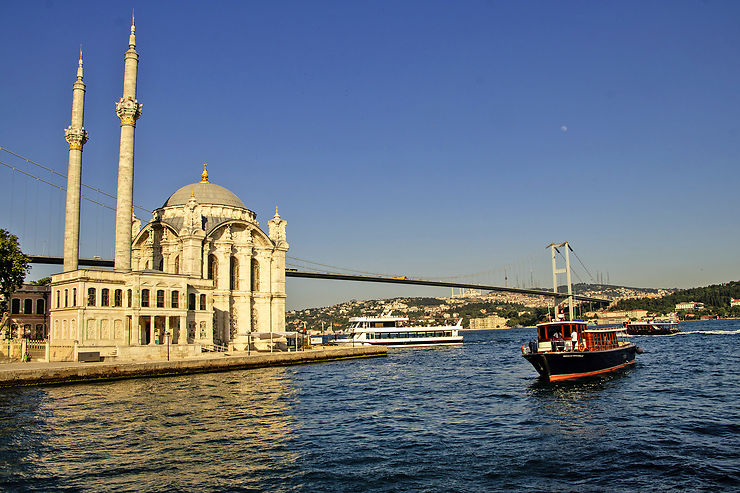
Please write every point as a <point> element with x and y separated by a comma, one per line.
<point>716,300</point>
<point>516,309</point>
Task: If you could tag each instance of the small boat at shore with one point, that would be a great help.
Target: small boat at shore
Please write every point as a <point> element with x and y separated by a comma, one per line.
<point>394,332</point>
<point>559,355</point>
<point>651,328</point>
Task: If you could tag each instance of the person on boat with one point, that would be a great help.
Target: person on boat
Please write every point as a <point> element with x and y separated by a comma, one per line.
<point>557,342</point>
<point>574,339</point>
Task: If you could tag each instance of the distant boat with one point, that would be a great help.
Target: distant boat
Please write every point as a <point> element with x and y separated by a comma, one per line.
<point>651,328</point>
<point>596,351</point>
<point>394,332</point>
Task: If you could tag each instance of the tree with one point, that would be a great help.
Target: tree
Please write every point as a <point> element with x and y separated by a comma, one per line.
<point>44,281</point>
<point>13,267</point>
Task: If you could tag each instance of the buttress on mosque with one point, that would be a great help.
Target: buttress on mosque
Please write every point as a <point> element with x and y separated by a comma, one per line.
<point>201,272</point>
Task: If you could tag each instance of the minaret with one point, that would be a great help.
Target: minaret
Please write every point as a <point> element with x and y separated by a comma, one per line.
<point>76,136</point>
<point>128,110</point>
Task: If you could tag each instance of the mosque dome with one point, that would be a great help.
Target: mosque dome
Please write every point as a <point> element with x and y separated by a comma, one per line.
<point>204,192</point>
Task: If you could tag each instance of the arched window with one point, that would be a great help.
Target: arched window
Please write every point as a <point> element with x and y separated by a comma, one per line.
<point>118,297</point>
<point>255,275</point>
<point>66,298</point>
<point>74,296</point>
<point>58,296</point>
<point>90,296</point>
<point>191,301</point>
<point>28,306</point>
<point>234,278</point>
<point>129,295</point>
<point>145,298</point>
<point>202,302</point>
<point>15,305</point>
<point>177,264</point>
<point>212,267</point>
<point>175,299</point>
<point>160,298</point>
<point>104,296</point>
<point>40,306</point>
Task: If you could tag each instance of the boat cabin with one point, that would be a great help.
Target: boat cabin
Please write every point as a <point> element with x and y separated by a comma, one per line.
<point>558,336</point>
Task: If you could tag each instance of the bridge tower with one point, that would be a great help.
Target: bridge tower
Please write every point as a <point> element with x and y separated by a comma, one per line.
<point>555,271</point>
<point>128,110</point>
<point>76,136</point>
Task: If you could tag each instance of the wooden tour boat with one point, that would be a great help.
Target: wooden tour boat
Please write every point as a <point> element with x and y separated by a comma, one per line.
<point>596,351</point>
<point>567,350</point>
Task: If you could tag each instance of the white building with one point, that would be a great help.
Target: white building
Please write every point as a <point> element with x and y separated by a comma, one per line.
<point>689,305</point>
<point>202,271</point>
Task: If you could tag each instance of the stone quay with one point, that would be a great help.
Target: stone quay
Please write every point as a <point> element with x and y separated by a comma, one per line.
<point>24,374</point>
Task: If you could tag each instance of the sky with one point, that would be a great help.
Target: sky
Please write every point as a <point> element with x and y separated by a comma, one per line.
<point>432,139</point>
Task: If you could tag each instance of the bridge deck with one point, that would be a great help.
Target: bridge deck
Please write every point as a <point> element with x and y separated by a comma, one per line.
<point>96,262</point>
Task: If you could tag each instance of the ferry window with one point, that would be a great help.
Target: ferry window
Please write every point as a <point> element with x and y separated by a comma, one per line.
<point>191,301</point>
<point>202,302</point>
<point>145,298</point>
<point>90,296</point>
<point>160,298</point>
<point>175,299</point>
<point>40,306</point>
<point>117,297</point>
<point>104,295</point>
<point>15,305</point>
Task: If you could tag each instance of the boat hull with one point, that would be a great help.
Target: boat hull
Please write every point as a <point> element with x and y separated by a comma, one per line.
<point>452,341</point>
<point>570,365</point>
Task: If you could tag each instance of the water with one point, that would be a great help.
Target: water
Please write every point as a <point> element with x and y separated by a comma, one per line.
<point>474,418</point>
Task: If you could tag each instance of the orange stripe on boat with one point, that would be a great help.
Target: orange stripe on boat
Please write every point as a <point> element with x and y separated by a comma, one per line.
<point>590,373</point>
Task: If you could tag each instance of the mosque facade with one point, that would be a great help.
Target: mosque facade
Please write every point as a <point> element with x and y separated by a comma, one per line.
<point>201,273</point>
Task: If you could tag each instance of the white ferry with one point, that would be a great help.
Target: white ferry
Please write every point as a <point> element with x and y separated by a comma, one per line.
<point>394,332</point>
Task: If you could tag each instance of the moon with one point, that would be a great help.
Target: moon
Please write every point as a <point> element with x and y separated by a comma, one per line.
<point>564,128</point>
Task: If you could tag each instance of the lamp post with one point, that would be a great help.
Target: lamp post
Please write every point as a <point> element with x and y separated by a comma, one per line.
<point>167,334</point>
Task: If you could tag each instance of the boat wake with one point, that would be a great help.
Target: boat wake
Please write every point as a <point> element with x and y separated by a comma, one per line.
<point>710,332</point>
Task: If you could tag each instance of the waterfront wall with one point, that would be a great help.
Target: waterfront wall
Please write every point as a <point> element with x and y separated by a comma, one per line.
<point>56,373</point>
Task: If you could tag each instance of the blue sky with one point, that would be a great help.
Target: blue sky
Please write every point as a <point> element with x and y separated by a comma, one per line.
<point>429,139</point>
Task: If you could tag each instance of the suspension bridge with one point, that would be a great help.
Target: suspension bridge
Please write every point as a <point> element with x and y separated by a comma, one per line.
<point>28,174</point>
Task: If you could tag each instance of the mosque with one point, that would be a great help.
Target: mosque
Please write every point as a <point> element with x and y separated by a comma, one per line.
<point>201,273</point>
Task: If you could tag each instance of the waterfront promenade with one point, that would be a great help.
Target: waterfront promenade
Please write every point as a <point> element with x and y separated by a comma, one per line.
<point>38,373</point>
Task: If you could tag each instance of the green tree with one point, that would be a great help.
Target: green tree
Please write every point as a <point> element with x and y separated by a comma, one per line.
<point>13,267</point>
<point>44,281</point>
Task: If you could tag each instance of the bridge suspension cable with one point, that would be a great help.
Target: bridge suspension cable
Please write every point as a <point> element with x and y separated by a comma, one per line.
<point>54,172</point>
<point>338,269</point>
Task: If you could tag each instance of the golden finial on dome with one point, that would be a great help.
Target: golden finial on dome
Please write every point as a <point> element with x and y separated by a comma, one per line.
<point>204,175</point>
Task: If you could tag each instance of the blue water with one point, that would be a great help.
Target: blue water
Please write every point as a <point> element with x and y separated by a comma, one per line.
<point>474,418</point>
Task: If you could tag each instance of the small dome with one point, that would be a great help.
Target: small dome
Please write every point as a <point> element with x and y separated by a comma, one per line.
<point>205,193</point>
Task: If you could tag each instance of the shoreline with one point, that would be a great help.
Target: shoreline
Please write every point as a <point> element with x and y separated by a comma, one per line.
<point>61,373</point>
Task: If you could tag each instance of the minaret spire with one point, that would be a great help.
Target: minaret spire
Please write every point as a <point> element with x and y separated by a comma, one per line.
<point>76,136</point>
<point>128,110</point>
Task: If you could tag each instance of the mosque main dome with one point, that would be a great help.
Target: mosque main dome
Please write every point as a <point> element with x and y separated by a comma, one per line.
<point>204,192</point>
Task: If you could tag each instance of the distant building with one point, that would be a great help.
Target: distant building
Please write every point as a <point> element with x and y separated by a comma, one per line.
<point>689,305</point>
<point>620,316</point>
<point>490,322</point>
<point>29,312</point>
<point>734,302</point>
